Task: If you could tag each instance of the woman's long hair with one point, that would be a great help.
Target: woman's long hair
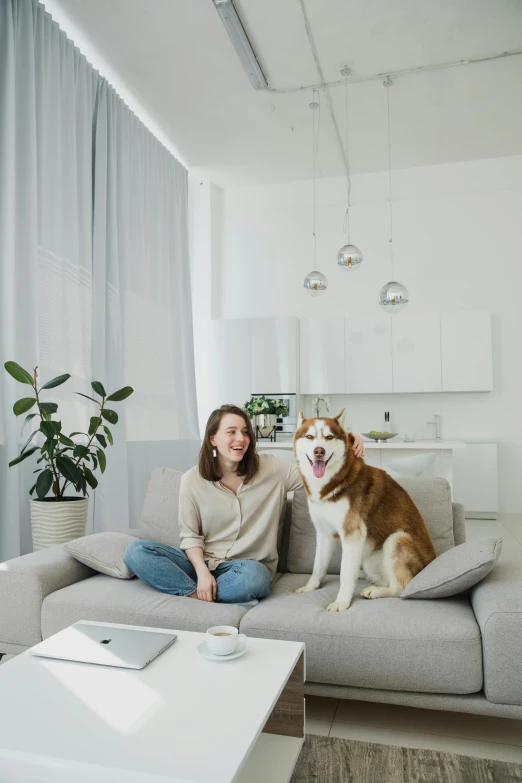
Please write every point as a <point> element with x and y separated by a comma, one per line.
<point>209,465</point>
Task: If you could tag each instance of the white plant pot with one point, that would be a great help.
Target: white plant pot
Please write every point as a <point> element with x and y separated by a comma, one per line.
<point>57,522</point>
<point>266,423</point>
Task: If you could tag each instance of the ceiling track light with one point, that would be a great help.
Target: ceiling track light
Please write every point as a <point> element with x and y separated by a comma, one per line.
<point>236,33</point>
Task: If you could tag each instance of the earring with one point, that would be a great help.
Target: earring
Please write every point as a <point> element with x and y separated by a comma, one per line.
<point>214,452</point>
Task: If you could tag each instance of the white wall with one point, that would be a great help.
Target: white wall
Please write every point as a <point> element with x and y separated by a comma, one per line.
<point>457,245</point>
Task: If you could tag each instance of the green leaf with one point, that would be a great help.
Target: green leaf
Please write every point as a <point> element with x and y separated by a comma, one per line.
<point>95,420</point>
<point>28,419</point>
<point>48,407</point>
<point>81,451</point>
<point>121,394</point>
<point>94,461</point>
<point>23,405</point>
<point>66,440</point>
<point>78,433</point>
<point>109,435</point>
<point>56,381</point>
<point>23,456</point>
<point>37,470</point>
<point>68,469</point>
<point>111,416</point>
<point>98,388</point>
<point>101,440</point>
<point>44,483</point>
<point>18,373</point>
<point>91,478</point>
<point>88,398</point>
<point>101,459</point>
<point>27,442</point>
<point>32,489</point>
<point>82,485</point>
<point>50,428</point>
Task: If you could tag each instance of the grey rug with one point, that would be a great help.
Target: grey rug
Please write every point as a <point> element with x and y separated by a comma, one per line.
<point>333,760</point>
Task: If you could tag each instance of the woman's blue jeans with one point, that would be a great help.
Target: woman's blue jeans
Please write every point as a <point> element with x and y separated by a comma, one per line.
<point>167,568</point>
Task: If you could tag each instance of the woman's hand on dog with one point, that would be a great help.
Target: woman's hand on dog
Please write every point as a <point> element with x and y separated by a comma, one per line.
<point>358,444</point>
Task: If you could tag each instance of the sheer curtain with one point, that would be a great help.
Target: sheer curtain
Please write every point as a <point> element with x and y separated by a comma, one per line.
<point>94,269</point>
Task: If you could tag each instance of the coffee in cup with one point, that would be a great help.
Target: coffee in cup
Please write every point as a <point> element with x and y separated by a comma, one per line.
<point>224,639</point>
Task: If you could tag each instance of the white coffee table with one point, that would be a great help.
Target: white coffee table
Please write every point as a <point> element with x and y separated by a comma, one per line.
<point>182,718</point>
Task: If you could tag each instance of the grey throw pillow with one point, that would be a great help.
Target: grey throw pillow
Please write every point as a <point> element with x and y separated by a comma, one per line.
<point>455,570</point>
<point>102,552</point>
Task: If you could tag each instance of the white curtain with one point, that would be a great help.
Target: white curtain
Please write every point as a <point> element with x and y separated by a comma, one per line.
<point>94,269</point>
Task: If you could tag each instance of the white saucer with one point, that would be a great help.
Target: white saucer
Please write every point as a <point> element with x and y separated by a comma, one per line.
<point>205,652</point>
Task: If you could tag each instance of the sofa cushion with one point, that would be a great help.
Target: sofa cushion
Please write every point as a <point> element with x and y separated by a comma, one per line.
<point>132,602</point>
<point>159,514</point>
<point>102,552</point>
<point>456,570</point>
<point>432,496</point>
<point>427,646</point>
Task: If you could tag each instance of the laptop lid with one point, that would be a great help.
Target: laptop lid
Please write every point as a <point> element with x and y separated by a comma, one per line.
<point>107,645</point>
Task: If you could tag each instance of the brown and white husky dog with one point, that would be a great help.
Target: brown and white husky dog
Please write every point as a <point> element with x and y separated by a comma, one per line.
<point>379,526</point>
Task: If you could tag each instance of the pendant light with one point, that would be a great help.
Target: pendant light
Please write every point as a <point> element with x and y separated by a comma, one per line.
<point>393,297</point>
<point>315,282</point>
<point>349,256</point>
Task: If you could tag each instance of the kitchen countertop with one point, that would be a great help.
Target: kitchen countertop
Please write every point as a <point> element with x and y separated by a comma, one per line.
<point>394,443</point>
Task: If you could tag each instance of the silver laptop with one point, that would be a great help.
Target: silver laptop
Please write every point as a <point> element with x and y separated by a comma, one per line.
<point>108,645</point>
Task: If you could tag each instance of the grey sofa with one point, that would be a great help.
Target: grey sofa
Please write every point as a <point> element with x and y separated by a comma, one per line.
<point>461,654</point>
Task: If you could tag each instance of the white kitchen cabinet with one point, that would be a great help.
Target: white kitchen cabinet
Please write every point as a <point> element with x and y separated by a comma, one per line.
<point>321,344</point>
<point>475,479</point>
<point>368,355</point>
<point>273,355</point>
<point>229,362</point>
<point>466,351</point>
<point>416,352</point>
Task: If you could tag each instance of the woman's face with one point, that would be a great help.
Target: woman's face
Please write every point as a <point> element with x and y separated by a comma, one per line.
<point>232,439</point>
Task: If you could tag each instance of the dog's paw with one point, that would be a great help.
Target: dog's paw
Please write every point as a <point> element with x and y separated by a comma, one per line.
<point>338,606</point>
<point>372,592</point>
<point>307,588</point>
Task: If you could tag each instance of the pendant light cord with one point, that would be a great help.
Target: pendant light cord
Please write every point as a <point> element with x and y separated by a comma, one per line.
<point>346,223</point>
<point>314,152</point>
<point>388,84</point>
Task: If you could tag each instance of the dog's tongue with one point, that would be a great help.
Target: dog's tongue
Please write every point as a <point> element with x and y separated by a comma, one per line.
<point>318,467</point>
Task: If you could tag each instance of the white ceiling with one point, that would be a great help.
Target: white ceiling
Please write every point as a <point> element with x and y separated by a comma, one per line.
<point>175,57</point>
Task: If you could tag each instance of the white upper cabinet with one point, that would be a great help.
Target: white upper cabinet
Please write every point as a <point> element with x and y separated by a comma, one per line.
<point>321,343</point>
<point>466,351</point>
<point>368,356</point>
<point>416,352</point>
<point>229,362</point>
<point>273,355</point>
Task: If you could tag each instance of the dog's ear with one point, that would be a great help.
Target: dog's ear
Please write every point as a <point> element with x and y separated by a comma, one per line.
<point>300,419</point>
<point>341,418</point>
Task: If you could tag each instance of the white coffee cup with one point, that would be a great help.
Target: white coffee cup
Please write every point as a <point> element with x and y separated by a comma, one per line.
<point>224,639</point>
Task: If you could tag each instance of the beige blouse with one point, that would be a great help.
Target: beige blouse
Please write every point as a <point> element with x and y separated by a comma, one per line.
<point>227,526</point>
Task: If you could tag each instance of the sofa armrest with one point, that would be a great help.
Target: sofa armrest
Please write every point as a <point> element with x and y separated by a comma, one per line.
<point>497,603</point>
<point>459,523</point>
<point>24,583</point>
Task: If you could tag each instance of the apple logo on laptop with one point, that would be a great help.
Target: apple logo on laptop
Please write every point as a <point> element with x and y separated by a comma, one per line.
<point>105,641</point>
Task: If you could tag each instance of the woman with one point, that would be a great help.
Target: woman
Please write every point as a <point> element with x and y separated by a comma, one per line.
<point>230,505</point>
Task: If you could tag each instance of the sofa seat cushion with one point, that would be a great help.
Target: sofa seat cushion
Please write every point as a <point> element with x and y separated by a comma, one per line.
<point>131,602</point>
<point>428,646</point>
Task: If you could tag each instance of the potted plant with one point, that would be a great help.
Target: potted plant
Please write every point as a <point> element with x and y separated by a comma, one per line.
<point>57,517</point>
<point>264,412</point>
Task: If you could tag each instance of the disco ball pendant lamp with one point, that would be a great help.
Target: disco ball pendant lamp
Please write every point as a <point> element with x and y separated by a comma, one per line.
<point>393,297</point>
<point>349,256</point>
<point>315,283</point>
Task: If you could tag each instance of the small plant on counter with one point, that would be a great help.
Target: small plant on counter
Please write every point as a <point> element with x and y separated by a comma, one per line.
<point>316,402</point>
<point>64,461</point>
<point>258,405</point>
